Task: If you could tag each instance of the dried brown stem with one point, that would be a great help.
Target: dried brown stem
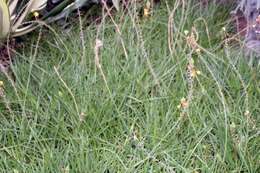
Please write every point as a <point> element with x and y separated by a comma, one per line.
<point>96,48</point>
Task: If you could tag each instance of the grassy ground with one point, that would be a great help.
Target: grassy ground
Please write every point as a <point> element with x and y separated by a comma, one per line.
<point>161,105</point>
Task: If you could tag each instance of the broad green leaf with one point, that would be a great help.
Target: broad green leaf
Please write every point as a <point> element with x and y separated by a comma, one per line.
<point>4,19</point>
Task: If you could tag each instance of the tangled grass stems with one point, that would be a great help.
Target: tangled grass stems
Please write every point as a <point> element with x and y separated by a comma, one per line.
<point>96,50</point>
<point>160,163</point>
<point>117,28</point>
<point>83,59</point>
<point>223,100</point>
<point>136,25</point>
<point>171,25</point>
<point>169,139</point>
<point>247,111</point>
<point>68,89</point>
<point>33,58</point>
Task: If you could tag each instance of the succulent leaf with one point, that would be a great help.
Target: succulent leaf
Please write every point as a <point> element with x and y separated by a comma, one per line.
<point>4,19</point>
<point>38,5</point>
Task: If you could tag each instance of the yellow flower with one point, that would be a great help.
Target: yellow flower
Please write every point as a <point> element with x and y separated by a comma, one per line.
<point>1,83</point>
<point>36,14</point>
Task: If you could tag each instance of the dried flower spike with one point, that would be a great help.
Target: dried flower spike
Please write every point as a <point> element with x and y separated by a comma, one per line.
<point>193,74</point>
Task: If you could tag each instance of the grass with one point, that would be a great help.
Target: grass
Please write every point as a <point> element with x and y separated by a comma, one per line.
<point>71,120</point>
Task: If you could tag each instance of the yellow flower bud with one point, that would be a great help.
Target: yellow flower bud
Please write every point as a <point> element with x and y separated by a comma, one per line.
<point>36,14</point>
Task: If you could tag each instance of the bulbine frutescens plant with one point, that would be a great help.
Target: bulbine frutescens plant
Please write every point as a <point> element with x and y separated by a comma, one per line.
<point>14,13</point>
<point>18,17</point>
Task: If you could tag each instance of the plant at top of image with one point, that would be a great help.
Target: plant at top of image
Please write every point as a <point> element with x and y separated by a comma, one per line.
<point>18,17</point>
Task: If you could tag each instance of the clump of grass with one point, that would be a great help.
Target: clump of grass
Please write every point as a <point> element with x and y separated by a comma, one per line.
<point>202,117</point>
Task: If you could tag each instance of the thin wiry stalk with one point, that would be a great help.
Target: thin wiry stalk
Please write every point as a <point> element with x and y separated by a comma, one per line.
<point>205,23</point>
<point>222,100</point>
<point>247,112</point>
<point>96,48</point>
<point>186,108</point>
<point>68,89</point>
<point>30,69</point>
<point>11,82</point>
<point>51,29</point>
<point>159,162</point>
<point>170,24</point>
<point>82,39</point>
<point>167,6</point>
<point>8,152</point>
<point>2,95</point>
<point>140,37</point>
<point>117,28</point>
